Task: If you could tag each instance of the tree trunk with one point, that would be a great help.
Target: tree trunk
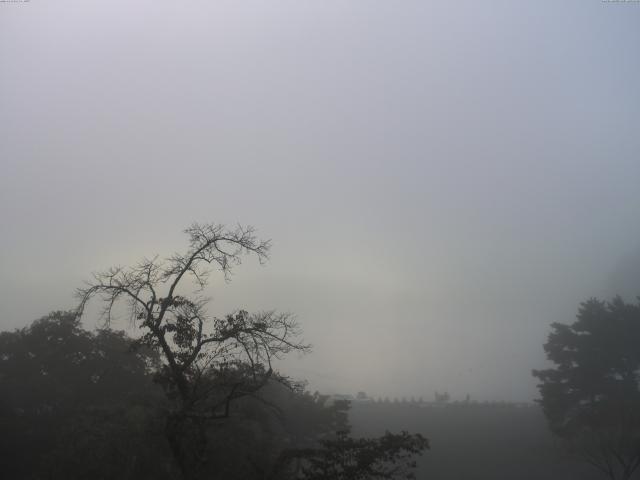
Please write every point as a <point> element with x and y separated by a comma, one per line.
<point>188,441</point>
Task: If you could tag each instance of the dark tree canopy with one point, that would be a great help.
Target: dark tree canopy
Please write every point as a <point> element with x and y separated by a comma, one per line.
<point>592,396</point>
<point>78,404</point>
<point>81,404</point>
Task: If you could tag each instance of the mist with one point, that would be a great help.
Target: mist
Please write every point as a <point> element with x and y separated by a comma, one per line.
<point>440,181</point>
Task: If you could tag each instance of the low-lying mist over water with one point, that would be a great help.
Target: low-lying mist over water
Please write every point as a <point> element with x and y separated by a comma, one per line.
<point>439,181</point>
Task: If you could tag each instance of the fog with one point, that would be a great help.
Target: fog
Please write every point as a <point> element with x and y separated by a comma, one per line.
<point>440,180</point>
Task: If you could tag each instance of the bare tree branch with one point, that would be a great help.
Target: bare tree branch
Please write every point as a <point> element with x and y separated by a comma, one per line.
<point>208,363</point>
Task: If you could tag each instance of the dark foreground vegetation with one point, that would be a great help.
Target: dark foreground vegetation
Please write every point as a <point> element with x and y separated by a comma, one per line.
<point>186,396</point>
<point>191,397</point>
<point>88,405</point>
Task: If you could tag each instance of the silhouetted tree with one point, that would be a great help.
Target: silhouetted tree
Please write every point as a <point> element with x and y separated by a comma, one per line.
<point>208,363</point>
<point>592,396</point>
<point>217,375</point>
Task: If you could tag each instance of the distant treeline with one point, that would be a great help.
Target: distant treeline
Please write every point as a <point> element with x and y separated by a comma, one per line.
<point>441,400</point>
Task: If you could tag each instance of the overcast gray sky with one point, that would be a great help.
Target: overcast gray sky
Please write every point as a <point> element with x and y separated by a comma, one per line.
<point>441,180</point>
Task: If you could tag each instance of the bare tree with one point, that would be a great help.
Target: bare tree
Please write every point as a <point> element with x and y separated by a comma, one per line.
<point>207,362</point>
